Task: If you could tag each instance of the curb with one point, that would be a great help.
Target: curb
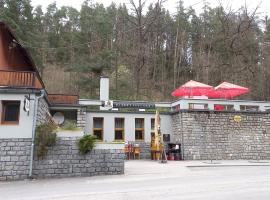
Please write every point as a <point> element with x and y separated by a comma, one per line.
<point>232,165</point>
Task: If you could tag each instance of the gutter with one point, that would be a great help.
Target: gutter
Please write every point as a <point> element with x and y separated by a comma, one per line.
<point>34,133</point>
<point>18,90</point>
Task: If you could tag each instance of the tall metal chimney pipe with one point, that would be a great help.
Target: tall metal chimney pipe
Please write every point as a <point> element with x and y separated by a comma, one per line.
<point>104,90</point>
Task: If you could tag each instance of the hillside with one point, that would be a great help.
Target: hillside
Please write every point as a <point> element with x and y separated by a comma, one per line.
<point>146,51</point>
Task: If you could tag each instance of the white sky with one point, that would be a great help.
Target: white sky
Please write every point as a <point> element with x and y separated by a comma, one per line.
<point>169,4</point>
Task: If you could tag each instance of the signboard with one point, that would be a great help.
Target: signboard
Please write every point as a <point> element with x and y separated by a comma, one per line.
<point>107,104</point>
<point>130,104</point>
<point>26,106</point>
<point>237,118</point>
<point>166,138</point>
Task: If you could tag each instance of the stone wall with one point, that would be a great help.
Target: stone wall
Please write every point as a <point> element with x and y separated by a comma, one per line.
<point>43,114</point>
<point>145,150</point>
<point>217,135</point>
<point>14,158</point>
<point>62,160</point>
<point>81,117</point>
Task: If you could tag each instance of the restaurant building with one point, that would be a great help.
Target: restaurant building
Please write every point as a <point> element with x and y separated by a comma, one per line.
<point>241,130</point>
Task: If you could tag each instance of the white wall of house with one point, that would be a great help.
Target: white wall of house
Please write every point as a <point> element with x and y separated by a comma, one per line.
<point>24,128</point>
<point>129,129</point>
<point>199,102</point>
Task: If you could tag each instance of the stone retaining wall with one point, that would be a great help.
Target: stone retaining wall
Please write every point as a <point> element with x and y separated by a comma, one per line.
<point>62,160</point>
<point>217,135</point>
<point>145,150</point>
<point>43,114</point>
<point>14,158</point>
<point>81,117</point>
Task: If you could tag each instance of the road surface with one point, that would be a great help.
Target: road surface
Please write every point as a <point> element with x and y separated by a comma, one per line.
<point>151,180</point>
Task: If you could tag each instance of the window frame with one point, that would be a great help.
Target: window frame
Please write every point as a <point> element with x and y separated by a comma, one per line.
<point>193,106</point>
<point>119,129</point>
<point>140,129</point>
<point>99,129</point>
<point>153,127</point>
<point>251,108</point>
<point>3,112</point>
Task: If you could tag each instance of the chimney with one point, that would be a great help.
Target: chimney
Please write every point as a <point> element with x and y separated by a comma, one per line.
<point>104,89</point>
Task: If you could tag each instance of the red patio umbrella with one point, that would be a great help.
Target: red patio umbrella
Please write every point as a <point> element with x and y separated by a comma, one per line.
<point>192,88</point>
<point>227,90</point>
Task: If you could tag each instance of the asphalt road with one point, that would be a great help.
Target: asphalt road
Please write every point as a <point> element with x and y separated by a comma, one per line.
<point>151,180</point>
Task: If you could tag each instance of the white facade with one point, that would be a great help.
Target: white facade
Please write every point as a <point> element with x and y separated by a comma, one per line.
<point>209,104</point>
<point>24,128</point>
<point>129,124</point>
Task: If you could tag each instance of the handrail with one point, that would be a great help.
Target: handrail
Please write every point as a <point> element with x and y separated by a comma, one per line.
<point>63,99</point>
<point>11,70</point>
<point>10,78</point>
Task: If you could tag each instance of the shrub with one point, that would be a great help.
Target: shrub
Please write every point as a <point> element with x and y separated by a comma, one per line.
<point>69,125</point>
<point>86,144</point>
<point>45,137</point>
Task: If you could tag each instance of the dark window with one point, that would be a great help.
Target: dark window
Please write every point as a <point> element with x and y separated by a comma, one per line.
<point>139,123</point>
<point>139,129</point>
<point>98,134</point>
<point>249,108</point>
<point>10,112</point>
<point>119,128</point>
<point>138,135</point>
<point>152,124</point>
<point>98,127</point>
<point>119,135</point>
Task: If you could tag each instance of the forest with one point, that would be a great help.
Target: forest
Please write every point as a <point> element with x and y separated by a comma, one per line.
<point>146,51</point>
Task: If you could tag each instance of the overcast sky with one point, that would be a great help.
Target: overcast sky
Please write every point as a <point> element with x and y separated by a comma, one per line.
<point>169,4</point>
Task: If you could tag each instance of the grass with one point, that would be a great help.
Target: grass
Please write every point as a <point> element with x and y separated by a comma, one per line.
<point>69,125</point>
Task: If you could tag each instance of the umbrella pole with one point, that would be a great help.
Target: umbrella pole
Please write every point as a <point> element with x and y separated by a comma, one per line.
<point>163,156</point>
<point>163,152</point>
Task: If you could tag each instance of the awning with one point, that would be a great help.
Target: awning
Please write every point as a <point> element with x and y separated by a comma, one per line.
<point>192,88</point>
<point>227,90</point>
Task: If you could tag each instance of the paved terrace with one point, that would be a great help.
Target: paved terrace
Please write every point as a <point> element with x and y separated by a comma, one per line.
<point>151,180</point>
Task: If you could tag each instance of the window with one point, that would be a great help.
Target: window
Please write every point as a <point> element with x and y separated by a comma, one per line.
<point>249,108</point>
<point>10,112</point>
<point>139,129</point>
<point>223,107</point>
<point>176,108</point>
<point>152,124</point>
<point>198,106</point>
<point>98,127</point>
<point>152,130</point>
<point>119,128</point>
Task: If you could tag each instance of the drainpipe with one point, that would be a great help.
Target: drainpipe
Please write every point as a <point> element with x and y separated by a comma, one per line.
<point>34,132</point>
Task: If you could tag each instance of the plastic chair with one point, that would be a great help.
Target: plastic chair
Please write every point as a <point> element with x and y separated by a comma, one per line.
<point>127,152</point>
<point>137,152</point>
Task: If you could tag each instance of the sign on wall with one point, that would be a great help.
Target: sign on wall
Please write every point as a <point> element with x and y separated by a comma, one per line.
<point>108,104</point>
<point>26,106</point>
<point>130,104</point>
<point>237,118</point>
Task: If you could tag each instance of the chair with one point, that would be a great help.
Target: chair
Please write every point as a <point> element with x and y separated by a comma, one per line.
<point>127,154</point>
<point>137,152</point>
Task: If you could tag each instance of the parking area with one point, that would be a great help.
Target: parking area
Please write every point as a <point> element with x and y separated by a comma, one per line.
<point>153,180</point>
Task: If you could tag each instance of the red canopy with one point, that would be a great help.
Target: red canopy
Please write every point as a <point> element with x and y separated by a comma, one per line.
<point>227,90</point>
<point>192,88</point>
